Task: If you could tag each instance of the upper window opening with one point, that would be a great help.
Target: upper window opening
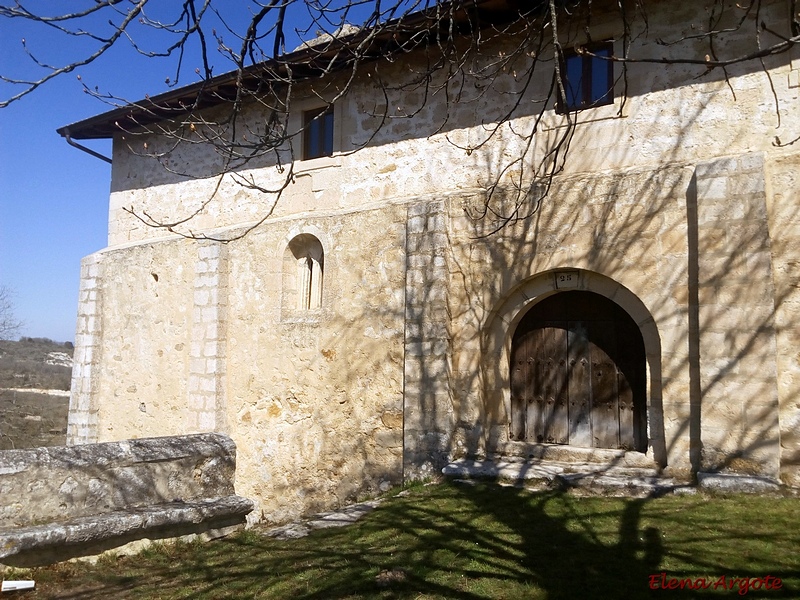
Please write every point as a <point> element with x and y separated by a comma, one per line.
<point>588,78</point>
<point>318,132</point>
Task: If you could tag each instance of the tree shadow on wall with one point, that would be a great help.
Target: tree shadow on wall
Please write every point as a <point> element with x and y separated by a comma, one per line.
<point>708,267</point>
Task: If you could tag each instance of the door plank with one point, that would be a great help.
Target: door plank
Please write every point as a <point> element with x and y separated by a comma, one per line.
<point>580,402</point>
<point>534,426</point>
<point>556,415</point>
<point>631,384</point>
<point>518,390</point>
<point>626,417</point>
<point>605,401</point>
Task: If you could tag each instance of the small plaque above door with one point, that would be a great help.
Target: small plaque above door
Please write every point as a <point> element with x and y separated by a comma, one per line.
<point>566,279</point>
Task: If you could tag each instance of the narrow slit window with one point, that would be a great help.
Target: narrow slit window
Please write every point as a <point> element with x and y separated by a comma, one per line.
<point>310,289</point>
<point>318,132</point>
<point>304,266</point>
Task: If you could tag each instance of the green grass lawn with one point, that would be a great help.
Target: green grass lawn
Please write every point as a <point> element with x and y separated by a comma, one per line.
<point>474,541</point>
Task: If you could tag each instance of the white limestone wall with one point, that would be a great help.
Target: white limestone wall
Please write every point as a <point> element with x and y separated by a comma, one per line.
<point>688,251</point>
<point>178,336</point>
<point>197,336</point>
<point>87,357</point>
<point>207,389</point>
<point>672,114</point>
<point>315,397</point>
<point>627,233</point>
<point>783,198</point>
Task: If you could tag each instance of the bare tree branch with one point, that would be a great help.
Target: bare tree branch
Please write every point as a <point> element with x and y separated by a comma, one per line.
<point>455,63</point>
<point>9,324</point>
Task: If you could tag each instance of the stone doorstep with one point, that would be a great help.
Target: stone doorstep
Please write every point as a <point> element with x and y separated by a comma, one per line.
<point>524,470</point>
<point>734,482</point>
<point>102,528</point>
<point>592,476</point>
<point>586,475</point>
<point>558,453</point>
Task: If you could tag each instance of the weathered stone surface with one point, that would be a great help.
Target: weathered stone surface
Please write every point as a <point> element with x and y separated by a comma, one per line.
<point>734,482</point>
<point>345,516</point>
<point>588,476</point>
<point>84,534</point>
<point>61,502</point>
<point>696,241</point>
<point>58,483</point>
<point>337,518</point>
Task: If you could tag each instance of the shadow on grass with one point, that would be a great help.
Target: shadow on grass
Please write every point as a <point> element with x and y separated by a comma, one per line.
<point>481,541</point>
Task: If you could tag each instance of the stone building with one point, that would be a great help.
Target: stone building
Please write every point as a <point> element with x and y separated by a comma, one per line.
<point>367,332</point>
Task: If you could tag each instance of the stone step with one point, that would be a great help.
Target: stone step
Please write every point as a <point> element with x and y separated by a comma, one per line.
<point>587,476</point>
<point>517,469</point>
<point>534,452</point>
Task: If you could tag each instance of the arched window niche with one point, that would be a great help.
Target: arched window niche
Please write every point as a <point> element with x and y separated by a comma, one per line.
<point>303,274</point>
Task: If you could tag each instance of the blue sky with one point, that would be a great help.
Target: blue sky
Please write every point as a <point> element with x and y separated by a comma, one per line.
<point>53,197</point>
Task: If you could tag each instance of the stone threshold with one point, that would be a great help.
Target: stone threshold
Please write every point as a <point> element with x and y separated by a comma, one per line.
<point>527,451</point>
<point>593,477</point>
<point>590,477</point>
<point>736,482</point>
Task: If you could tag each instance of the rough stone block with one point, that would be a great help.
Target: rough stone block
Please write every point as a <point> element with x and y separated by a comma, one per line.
<point>61,482</point>
<point>201,297</point>
<point>731,482</point>
<point>418,209</point>
<point>417,224</point>
<point>208,251</point>
<point>711,188</point>
<point>206,421</point>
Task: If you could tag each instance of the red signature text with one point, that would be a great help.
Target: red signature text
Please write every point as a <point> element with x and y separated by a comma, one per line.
<point>742,585</point>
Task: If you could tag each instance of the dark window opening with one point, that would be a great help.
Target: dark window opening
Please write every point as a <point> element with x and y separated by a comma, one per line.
<point>318,132</point>
<point>588,79</point>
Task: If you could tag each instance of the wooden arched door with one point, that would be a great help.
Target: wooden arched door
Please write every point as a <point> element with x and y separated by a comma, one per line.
<point>578,374</point>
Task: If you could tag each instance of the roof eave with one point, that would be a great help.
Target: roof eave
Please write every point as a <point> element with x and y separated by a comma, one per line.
<point>310,59</point>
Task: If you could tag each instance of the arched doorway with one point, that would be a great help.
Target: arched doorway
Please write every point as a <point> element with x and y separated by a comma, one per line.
<point>578,374</point>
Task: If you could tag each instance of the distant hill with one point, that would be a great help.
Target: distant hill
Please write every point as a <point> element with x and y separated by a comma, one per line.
<point>29,419</point>
<point>35,363</point>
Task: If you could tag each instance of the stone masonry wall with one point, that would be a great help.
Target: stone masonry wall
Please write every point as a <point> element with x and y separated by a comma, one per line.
<point>428,413</point>
<point>783,198</point>
<point>84,395</point>
<point>197,339</point>
<point>206,402</point>
<point>736,304</point>
<point>624,234</point>
<point>142,383</point>
<point>670,114</point>
<point>315,396</point>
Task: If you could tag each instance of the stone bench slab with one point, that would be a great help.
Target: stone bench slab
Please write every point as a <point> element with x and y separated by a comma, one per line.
<point>26,546</point>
